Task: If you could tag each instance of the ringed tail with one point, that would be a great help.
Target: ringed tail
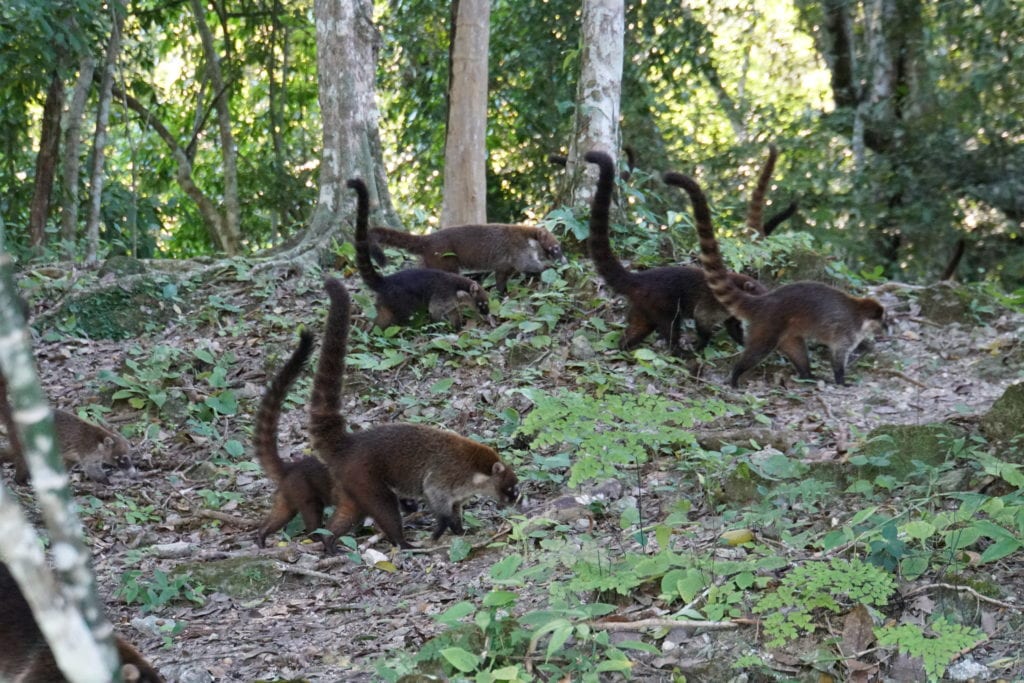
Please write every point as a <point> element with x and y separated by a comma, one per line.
<point>269,413</point>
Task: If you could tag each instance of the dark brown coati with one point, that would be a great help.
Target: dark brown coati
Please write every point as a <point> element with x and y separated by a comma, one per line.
<point>755,208</point>
<point>500,247</point>
<point>303,485</point>
<point>79,442</point>
<point>402,295</point>
<point>787,317</point>
<point>373,468</point>
<point>26,657</point>
<point>659,298</point>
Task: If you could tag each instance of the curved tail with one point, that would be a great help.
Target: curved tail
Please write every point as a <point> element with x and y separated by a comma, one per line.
<point>755,209</point>
<point>269,412</point>
<point>779,218</point>
<point>725,290</point>
<point>371,277</point>
<point>397,238</point>
<point>327,425</point>
<point>608,266</point>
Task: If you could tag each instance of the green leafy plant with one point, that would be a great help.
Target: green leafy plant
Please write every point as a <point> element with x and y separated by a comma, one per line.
<point>936,649</point>
<point>833,586</point>
<point>615,431</point>
<point>161,589</point>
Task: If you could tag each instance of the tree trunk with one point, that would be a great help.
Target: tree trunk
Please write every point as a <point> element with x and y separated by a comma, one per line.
<point>72,145</point>
<point>73,621</point>
<point>231,238</point>
<point>465,150</point>
<point>347,44</point>
<point>46,161</point>
<point>92,227</point>
<point>598,93</point>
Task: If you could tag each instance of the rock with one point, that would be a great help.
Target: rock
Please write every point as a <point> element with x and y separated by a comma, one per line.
<point>1005,419</point>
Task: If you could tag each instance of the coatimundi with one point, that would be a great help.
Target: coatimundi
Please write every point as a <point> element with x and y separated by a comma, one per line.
<point>402,295</point>
<point>787,317</point>
<point>26,656</point>
<point>500,247</point>
<point>755,209</point>
<point>79,441</point>
<point>659,298</point>
<point>373,468</point>
<point>303,485</point>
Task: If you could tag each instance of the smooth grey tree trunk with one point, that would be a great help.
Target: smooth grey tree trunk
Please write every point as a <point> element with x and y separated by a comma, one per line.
<point>465,150</point>
<point>72,147</point>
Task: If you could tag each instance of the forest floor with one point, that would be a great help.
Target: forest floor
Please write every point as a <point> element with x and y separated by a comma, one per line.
<point>181,524</point>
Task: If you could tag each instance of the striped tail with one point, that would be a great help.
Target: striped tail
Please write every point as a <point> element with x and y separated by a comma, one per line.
<point>608,266</point>
<point>755,209</point>
<point>728,294</point>
<point>371,277</point>
<point>269,413</point>
<point>326,423</point>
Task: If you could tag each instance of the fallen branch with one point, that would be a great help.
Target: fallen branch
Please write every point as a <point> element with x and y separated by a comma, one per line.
<point>227,519</point>
<point>663,623</point>
<point>964,589</point>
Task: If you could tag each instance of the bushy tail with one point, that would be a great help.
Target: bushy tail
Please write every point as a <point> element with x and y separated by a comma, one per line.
<point>269,413</point>
<point>722,286</point>
<point>608,266</point>
<point>371,277</point>
<point>755,209</point>
<point>397,238</point>
<point>327,426</point>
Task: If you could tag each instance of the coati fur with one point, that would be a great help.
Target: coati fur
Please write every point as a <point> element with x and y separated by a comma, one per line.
<point>26,657</point>
<point>562,161</point>
<point>500,247</point>
<point>303,485</point>
<point>787,317</point>
<point>659,298</point>
<point>402,295</point>
<point>373,468</point>
<point>79,441</point>
<point>755,209</point>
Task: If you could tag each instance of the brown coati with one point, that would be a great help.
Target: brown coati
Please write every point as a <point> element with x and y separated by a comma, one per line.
<point>79,441</point>
<point>303,485</point>
<point>787,317</point>
<point>373,468</point>
<point>500,247</point>
<point>659,298</point>
<point>755,209</point>
<point>404,294</point>
<point>26,656</point>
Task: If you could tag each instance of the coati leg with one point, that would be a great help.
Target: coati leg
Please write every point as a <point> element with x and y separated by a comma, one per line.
<point>346,515</point>
<point>668,330</point>
<point>840,357</point>
<point>501,280</point>
<point>735,329</point>
<point>278,516</point>
<point>385,317</point>
<point>795,349</point>
<point>638,327</point>
<point>445,307</point>
<point>756,350</point>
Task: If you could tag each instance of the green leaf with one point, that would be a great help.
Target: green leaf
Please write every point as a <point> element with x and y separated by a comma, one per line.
<point>507,567</point>
<point>499,598</point>
<point>460,549</point>
<point>462,660</point>
<point>442,386</point>
<point>455,613</point>
<point>234,448</point>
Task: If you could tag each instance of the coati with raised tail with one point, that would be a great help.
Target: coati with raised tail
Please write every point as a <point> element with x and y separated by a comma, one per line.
<point>787,317</point>
<point>402,295</point>
<point>659,298</point>
<point>373,468</point>
<point>500,247</point>
<point>755,209</point>
<point>26,657</point>
<point>303,485</point>
<point>79,441</point>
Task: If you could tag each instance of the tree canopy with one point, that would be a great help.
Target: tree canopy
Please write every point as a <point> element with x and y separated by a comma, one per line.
<point>898,120</point>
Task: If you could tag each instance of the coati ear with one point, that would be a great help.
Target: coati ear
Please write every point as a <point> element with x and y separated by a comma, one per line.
<point>497,468</point>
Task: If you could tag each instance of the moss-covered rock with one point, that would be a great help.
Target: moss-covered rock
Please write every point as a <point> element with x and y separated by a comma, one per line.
<point>122,265</point>
<point>948,302</point>
<point>896,450</point>
<point>1005,419</point>
<point>240,577</point>
<point>119,311</point>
